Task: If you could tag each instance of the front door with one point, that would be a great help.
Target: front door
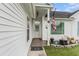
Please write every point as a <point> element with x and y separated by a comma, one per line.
<point>36,29</point>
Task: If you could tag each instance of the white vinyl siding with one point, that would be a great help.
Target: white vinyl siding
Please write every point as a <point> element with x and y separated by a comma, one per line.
<point>13,33</point>
<point>78,29</point>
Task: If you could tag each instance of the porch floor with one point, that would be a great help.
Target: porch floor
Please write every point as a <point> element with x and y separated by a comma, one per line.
<point>36,48</point>
<point>36,42</point>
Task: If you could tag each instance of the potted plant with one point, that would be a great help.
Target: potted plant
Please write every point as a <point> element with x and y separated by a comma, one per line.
<point>72,41</point>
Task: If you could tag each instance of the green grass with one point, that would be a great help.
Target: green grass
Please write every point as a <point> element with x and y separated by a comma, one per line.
<point>51,51</point>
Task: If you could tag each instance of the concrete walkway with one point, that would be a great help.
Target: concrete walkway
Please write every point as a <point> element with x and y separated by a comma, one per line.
<point>37,53</point>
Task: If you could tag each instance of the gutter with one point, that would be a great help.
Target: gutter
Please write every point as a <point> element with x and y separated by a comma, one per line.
<point>43,6</point>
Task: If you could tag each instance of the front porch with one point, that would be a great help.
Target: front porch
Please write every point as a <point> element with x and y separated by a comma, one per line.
<point>40,31</point>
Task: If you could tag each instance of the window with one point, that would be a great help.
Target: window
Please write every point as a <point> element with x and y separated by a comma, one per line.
<point>28,28</point>
<point>59,28</point>
<point>36,27</point>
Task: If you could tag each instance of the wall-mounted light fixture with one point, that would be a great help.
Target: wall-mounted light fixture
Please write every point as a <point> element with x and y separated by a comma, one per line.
<point>48,21</point>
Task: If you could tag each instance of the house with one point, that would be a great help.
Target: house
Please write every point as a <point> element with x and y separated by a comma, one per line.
<point>20,23</point>
<point>66,24</point>
<point>17,23</point>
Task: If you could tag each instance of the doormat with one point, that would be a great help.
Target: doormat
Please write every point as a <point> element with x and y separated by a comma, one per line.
<point>36,48</point>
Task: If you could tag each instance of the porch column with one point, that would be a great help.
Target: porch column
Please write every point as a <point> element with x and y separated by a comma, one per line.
<point>48,25</point>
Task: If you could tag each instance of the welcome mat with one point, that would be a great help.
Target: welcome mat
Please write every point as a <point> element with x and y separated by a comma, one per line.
<point>36,48</point>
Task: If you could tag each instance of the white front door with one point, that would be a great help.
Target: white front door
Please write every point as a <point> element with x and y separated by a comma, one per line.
<point>36,29</point>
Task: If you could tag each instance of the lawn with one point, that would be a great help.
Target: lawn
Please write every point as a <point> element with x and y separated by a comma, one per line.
<point>51,51</point>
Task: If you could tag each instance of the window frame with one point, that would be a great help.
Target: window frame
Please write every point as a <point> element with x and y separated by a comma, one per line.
<point>28,29</point>
<point>60,28</point>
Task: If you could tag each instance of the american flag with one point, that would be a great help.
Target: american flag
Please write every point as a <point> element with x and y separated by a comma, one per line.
<point>54,22</point>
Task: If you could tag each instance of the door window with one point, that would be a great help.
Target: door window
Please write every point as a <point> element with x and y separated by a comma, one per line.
<point>36,27</point>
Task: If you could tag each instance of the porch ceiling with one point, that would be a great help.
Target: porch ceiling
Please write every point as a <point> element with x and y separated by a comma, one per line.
<point>40,11</point>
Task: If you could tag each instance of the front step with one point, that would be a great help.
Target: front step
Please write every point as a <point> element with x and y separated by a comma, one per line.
<point>36,48</point>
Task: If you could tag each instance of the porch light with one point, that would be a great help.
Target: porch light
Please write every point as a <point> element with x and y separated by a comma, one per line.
<point>48,21</point>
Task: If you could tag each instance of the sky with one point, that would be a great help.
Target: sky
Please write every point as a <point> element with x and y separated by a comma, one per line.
<point>69,7</point>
